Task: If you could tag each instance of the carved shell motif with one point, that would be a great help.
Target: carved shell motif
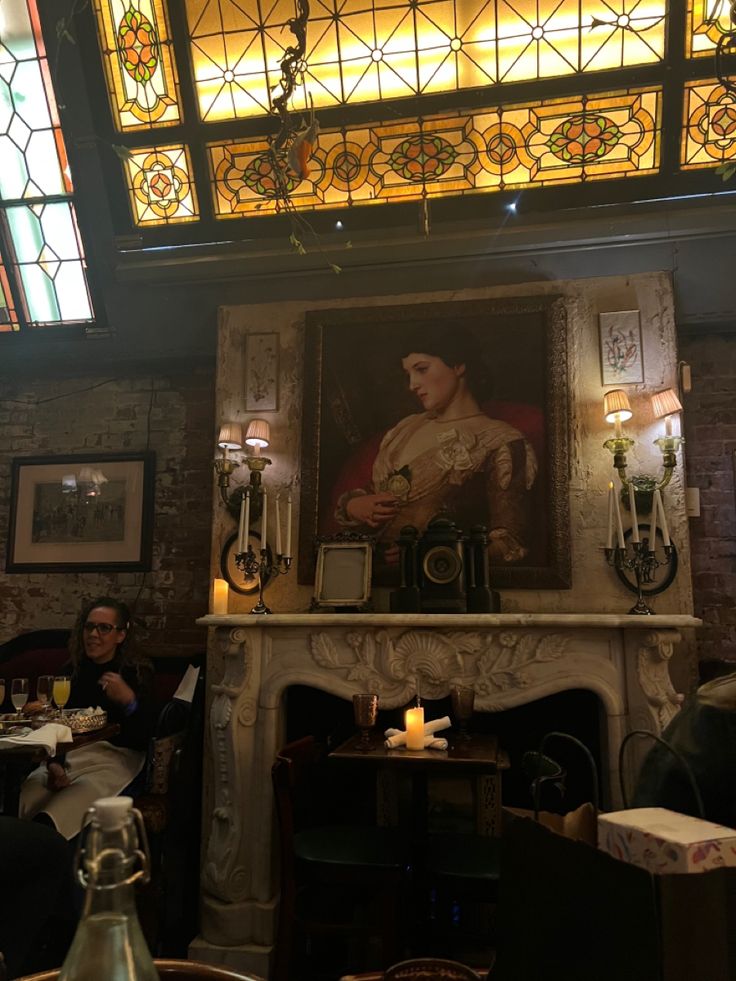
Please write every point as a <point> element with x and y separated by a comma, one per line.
<point>493,662</point>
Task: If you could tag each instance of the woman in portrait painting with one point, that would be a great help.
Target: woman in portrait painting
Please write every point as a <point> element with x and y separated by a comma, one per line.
<point>451,456</point>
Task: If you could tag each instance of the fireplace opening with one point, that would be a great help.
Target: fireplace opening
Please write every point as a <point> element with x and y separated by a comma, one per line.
<point>349,791</point>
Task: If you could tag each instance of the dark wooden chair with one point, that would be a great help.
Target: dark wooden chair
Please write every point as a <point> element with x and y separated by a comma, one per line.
<point>337,881</point>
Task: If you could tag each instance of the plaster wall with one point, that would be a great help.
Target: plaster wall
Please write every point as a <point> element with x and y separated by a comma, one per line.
<point>595,587</point>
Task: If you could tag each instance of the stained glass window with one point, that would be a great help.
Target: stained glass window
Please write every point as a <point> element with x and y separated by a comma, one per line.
<point>8,316</point>
<point>710,125</point>
<point>551,142</point>
<point>38,235</point>
<point>707,22</point>
<point>141,73</point>
<point>360,51</point>
<point>160,187</point>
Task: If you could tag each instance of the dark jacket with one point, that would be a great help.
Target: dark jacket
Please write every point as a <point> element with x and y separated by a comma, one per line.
<point>137,728</point>
<point>704,733</point>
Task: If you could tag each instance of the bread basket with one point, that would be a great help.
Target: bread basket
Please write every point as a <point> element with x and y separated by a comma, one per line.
<point>83,723</point>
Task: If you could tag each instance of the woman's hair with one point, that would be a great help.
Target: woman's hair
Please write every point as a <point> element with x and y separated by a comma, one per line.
<point>454,344</point>
<point>130,656</point>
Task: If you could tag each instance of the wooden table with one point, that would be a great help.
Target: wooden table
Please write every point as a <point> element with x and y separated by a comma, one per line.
<point>477,755</point>
<point>17,761</point>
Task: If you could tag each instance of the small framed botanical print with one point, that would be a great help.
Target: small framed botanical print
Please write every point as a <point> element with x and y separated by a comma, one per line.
<point>262,372</point>
<point>622,361</point>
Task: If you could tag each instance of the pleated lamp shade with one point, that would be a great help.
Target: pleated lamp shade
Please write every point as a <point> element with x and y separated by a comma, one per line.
<point>231,436</point>
<point>665,403</point>
<point>616,405</point>
<point>258,433</point>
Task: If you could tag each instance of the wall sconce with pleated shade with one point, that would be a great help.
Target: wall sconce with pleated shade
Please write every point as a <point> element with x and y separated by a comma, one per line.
<point>617,410</point>
<point>257,437</point>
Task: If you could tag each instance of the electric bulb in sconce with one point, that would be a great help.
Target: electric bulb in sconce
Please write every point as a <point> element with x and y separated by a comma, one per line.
<point>617,410</point>
<point>665,405</point>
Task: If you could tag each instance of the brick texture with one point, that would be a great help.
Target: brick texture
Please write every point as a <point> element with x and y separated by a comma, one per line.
<point>710,431</point>
<point>171,414</point>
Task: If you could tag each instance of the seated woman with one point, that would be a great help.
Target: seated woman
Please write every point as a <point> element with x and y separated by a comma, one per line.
<point>105,671</point>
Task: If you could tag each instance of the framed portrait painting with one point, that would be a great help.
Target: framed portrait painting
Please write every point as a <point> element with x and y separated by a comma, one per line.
<point>456,408</point>
<point>86,513</point>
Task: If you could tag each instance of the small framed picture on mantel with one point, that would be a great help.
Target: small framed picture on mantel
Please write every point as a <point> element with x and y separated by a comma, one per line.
<point>622,360</point>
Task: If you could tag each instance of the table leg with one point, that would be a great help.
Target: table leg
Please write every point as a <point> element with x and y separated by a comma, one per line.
<point>487,804</point>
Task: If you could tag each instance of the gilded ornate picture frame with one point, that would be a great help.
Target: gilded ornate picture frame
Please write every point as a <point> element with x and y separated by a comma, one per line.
<point>357,401</point>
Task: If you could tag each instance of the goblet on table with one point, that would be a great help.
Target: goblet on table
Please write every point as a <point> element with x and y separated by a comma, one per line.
<point>462,699</point>
<point>19,693</point>
<point>45,689</point>
<point>365,712</point>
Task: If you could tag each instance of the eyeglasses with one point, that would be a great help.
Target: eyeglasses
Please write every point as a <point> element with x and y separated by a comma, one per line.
<point>103,629</point>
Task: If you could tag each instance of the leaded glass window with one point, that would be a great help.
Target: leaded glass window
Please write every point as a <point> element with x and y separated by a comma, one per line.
<point>415,100</point>
<point>43,281</point>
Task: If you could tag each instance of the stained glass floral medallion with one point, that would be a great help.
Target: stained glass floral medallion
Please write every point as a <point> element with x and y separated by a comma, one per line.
<point>139,65</point>
<point>361,51</point>
<point>160,187</point>
<point>710,125</point>
<point>550,142</point>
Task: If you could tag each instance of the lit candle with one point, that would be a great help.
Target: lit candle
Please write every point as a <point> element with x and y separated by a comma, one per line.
<point>278,525</point>
<point>241,526</point>
<point>619,525</point>
<point>653,525</point>
<point>219,596</point>
<point>662,518</point>
<point>264,520</point>
<point>288,527</point>
<point>634,518</point>
<point>609,539</point>
<point>414,721</point>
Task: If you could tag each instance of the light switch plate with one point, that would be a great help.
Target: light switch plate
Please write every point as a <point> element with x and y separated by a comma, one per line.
<point>692,502</point>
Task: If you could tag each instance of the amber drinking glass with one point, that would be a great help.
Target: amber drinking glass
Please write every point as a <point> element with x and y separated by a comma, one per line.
<point>365,712</point>
<point>462,699</point>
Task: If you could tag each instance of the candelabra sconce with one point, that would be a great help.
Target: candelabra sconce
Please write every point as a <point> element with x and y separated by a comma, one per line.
<point>617,410</point>
<point>637,564</point>
<point>257,437</point>
<point>263,564</point>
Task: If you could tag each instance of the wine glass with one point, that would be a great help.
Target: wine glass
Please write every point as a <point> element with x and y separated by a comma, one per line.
<point>365,712</point>
<point>462,698</point>
<point>61,692</point>
<point>19,693</point>
<point>45,689</point>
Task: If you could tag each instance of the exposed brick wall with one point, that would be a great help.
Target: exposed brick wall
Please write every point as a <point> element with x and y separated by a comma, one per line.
<point>710,431</point>
<point>172,412</point>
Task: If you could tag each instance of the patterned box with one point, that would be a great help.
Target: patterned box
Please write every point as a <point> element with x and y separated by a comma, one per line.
<point>664,841</point>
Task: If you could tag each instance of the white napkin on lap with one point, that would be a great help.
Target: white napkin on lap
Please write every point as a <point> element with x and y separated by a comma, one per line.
<point>48,737</point>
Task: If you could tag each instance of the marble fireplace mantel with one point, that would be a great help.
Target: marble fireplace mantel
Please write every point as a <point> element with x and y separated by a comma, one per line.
<point>511,659</point>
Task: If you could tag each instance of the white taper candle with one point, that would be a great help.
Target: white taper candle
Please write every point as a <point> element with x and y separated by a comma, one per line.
<point>634,516</point>
<point>663,518</point>
<point>264,520</point>
<point>288,527</point>
<point>278,525</point>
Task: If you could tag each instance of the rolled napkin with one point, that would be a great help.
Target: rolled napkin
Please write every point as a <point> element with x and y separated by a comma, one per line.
<point>48,737</point>
<point>397,737</point>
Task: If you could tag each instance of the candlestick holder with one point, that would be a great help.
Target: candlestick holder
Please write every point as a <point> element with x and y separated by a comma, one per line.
<point>265,567</point>
<point>637,564</point>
